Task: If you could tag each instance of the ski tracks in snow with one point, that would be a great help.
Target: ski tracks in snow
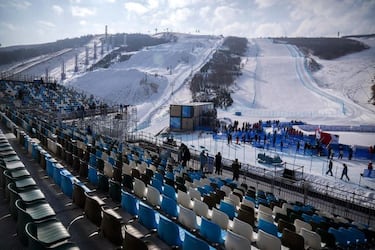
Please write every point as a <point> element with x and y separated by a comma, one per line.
<point>305,78</point>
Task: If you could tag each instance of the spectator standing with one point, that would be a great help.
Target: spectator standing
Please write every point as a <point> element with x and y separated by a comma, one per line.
<point>297,147</point>
<point>345,172</point>
<point>330,152</point>
<point>203,160</point>
<point>88,130</point>
<point>350,153</point>
<point>369,167</point>
<point>330,165</point>
<point>341,152</point>
<point>218,163</point>
<point>185,155</point>
<point>229,137</point>
<point>236,169</point>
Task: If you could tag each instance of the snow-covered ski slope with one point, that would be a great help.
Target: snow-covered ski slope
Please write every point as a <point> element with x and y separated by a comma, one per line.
<point>152,78</point>
<point>277,85</point>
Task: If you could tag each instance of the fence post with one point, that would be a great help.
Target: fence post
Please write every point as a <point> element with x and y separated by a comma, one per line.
<point>305,191</point>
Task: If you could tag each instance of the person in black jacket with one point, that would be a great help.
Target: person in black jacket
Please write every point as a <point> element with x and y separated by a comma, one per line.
<point>218,159</point>
<point>345,172</point>
<point>330,165</point>
<point>185,155</point>
<point>236,169</point>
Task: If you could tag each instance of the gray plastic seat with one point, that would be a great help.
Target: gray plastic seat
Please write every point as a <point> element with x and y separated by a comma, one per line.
<point>42,235</point>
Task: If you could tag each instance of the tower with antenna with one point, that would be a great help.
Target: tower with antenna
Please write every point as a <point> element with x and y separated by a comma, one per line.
<point>47,75</point>
<point>76,63</point>
<point>106,37</point>
<point>63,76</point>
<point>94,50</point>
<point>87,56</point>
<point>106,33</point>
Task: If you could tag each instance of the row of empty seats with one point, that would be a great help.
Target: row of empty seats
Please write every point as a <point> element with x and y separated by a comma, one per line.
<point>37,226</point>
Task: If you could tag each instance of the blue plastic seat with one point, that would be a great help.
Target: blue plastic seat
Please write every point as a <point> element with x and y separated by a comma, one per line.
<point>92,160</point>
<point>340,237</point>
<point>358,235</point>
<point>203,191</point>
<point>99,153</point>
<point>228,208</point>
<point>169,191</point>
<point>306,217</point>
<point>67,183</point>
<point>158,184</point>
<point>158,176</point>
<point>208,188</point>
<point>250,199</point>
<point>191,242</point>
<point>318,219</point>
<point>57,173</point>
<point>169,232</point>
<point>111,161</point>
<point>169,175</point>
<point>147,216</point>
<point>169,206</point>
<point>349,235</point>
<point>307,208</point>
<point>93,175</point>
<point>260,194</point>
<point>211,231</point>
<point>267,227</point>
<point>261,201</point>
<point>129,203</point>
<point>50,166</point>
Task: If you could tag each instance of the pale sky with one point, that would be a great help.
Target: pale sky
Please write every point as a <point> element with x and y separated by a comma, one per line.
<point>39,21</point>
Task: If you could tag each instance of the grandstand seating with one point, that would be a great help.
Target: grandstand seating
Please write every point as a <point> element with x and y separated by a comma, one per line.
<point>27,203</point>
<point>215,220</point>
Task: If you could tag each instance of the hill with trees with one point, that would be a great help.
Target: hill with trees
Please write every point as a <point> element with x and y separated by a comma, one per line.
<point>216,76</point>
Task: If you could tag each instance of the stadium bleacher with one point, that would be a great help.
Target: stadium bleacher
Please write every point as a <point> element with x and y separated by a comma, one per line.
<point>109,195</point>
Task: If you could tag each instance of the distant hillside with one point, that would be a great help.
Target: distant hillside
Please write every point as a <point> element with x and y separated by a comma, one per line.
<point>18,53</point>
<point>359,36</point>
<point>133,42</point>
<point>325,48</point>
